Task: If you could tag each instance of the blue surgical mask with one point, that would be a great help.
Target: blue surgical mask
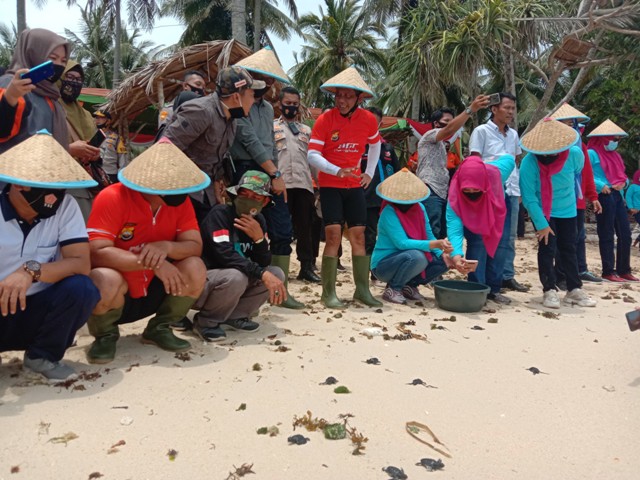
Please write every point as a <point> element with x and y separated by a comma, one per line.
<point>611,146</point>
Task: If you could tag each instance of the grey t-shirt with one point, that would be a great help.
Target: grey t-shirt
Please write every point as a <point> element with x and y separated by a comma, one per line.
<point>432,163</point>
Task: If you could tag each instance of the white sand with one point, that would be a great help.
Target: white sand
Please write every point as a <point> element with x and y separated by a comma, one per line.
<point>498,419</point>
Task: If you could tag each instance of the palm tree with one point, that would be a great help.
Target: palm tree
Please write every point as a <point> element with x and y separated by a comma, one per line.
<point>343,36</point>
<point>8,40</point>
<point>21,12</point>
<point>239,20</point>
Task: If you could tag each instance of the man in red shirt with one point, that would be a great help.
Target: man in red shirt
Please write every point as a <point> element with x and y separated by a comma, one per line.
<point>338,140</point>
<point>145,249</point>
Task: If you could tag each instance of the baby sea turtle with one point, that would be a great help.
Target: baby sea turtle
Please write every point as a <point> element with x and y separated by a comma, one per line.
<point>395,473</point>
<point>430,464</point>
<point>419,381</point>
<point>297,440</point>
<point>372,361</point>
<point>330,381</point>
<point>477,327</point>
<point>536,371</point>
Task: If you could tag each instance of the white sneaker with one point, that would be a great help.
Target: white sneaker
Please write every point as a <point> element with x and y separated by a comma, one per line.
<point>551,299</point>
<point>578,297</point>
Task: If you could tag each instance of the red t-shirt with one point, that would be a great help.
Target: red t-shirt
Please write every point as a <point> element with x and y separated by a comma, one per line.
<point>342,142</point>
<point>125,217</point>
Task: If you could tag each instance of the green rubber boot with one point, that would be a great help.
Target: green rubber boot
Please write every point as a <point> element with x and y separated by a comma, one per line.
<point>361,266</point>
<point>283,262</point>
<point>104,329</point>
<point>158,332</point>
<point>328,274</point>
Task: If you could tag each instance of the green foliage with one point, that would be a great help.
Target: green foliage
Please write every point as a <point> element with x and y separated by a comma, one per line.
<point>8,39</point>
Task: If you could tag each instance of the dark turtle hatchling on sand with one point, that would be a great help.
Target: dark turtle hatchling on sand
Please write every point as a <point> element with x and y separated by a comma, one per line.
<point>372,361</point>
<point>297,440</point>
<point>330,381</point>
<point>395,473</point>
<point>430,464</point>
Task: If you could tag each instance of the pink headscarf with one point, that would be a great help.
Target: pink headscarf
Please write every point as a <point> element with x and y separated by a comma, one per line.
<point>546,186</point>
<point>636,177</point>
<point>611,162</point>
<point>486,215</point>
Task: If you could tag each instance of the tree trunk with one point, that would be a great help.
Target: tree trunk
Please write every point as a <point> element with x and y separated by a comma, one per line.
<point>553,80</point>
<point>21,11</point>
<point>116,46</point>
<point>257,24</point>
<point>238,20</point>
<point>510,78</point>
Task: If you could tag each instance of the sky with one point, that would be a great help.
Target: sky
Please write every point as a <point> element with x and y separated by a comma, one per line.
<point>56,16</point>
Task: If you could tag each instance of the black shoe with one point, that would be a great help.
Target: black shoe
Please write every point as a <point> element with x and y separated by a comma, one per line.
<point>183,325</point>
<point>243,324</point>
<point>307,273</point>
<point>590,277</point>
<point>499,298</point>
<point>211,334</point>
<point>562,285</point>
<point>340,266</point>
<point>512,284</point>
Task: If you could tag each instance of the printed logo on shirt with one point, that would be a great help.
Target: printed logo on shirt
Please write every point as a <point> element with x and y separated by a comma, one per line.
<point>348,148</point>
<point>220,236</point>
<point>335,135</point>
<point>127,232</point>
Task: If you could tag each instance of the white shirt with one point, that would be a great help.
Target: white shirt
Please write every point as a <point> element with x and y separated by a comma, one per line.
<point>491,143</point>
<point>40,241</point>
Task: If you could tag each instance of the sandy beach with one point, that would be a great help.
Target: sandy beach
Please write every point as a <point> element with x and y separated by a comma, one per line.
<point>153,415</point>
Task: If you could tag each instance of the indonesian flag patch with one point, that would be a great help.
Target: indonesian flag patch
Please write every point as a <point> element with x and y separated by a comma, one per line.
<point>220,236</point>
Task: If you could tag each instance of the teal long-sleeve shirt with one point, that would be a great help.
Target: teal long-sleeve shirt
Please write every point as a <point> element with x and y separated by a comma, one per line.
<point>633,197</point>
<point>393,239</point>
<point>564,204</point>
<point>455,228</point>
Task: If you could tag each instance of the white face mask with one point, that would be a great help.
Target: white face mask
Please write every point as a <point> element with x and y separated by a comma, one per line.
<point>611,146</point>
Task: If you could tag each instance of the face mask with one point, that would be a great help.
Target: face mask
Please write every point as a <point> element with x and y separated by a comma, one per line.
<point>247,206</point>
<point>70,91</point>
<point>235,112</point>
<point>58,70</point>
<point>473,196</point>
<point>196,90</point>
<point>174,200</point>
<point>289,111</point>
<point>547,159</point>
<point>611,146</point>
<point>261,92</point>
<point>44,201</point>
<point>404,208</point>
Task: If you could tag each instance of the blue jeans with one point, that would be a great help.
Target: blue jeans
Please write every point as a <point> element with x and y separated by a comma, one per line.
<point>508,249</point>
<point>436,211</point>
<point>279,226</point>
<point>406,268</point>
<point>613,219</point>
<point>489,270</point>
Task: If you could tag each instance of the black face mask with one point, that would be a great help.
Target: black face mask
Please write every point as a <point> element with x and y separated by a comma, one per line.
<point>70,91</point>
<point>174,200</point>
<point>404,208</point>
<point>58,70</point>
<point>237,112</point>
<point>473,196</point>
<point>260,93</point>
<point>289,111</point>
<point>196,90</point>
<point>547,159</point>
<point>44,201</point>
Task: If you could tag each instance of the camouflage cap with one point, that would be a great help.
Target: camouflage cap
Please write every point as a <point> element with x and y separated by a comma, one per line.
<point>257,182</point>
<point>232,79</point>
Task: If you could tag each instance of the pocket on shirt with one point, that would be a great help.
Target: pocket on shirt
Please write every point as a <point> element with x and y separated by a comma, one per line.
<point>46,253</point>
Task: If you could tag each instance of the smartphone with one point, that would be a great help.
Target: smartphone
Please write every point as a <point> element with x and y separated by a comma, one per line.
<point>97,139</point>
<point>472,265</point>
<point>633,319</point>
<point>494,99</point>
<point>39,73</point>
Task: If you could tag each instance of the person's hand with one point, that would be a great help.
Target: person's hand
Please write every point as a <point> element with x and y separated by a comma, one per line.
<point>82,150</point>
<point>633,211</point>
<point>346,173</point>
<point>277,290</point>
<point>153,254</point>
<point>481,101</point>
<point>365,180</point>
<point>278,187</point>
<point>597,207</point>
<point>618,186</point>
<point>448,261</point>
<point>13,291</point>
<point>544,235</point>
<point>250,226</point>
<point>460,264</point>
<point>171,278</point>
<point>606,190</point>
<point>444,245</point>
<point>18,87</point>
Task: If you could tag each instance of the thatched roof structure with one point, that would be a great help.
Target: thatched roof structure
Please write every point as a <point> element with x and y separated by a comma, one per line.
<point>160,80</point>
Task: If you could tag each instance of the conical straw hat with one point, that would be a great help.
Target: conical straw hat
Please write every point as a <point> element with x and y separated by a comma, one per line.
<point>349,78</point>
<point>40,161</point>
<point>549,136</point>
<point>608,129</point>
<point>163,170</point>
<point>567,112</point>
<point>403,187</point>
<point>265,62</point>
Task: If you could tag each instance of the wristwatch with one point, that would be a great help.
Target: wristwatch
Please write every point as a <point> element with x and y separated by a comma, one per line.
<point>468,111</point>
<point>33,268</point>
<point>276,175</point>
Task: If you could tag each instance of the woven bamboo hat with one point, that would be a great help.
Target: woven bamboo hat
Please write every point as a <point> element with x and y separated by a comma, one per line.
<point>40,161</point>
<point>567,112</point>
<point>403,187</point>
<point>163,170</point>
<point>265,62</point>
<point>349,78</point>
<point>608,129</point>
<point>549,136</point>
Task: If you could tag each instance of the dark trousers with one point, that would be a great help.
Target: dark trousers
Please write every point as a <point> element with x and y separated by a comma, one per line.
<point>302,208</point>
<point>581,249</point>
<point>52,317</point>
<point>613,219</point>
<point>561,248</point>
<point>436,208</point>
<point>371,229</point>
<point>277,215</point>
<point>521,221</point>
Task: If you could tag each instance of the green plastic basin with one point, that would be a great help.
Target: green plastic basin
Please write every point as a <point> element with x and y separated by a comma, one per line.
<point>460,296</point>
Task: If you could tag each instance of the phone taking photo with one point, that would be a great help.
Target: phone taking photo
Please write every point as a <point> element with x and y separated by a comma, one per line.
<point>494,99</point>
<point>633,319</point>
<point>97,139</point>
<point>40,72</point>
